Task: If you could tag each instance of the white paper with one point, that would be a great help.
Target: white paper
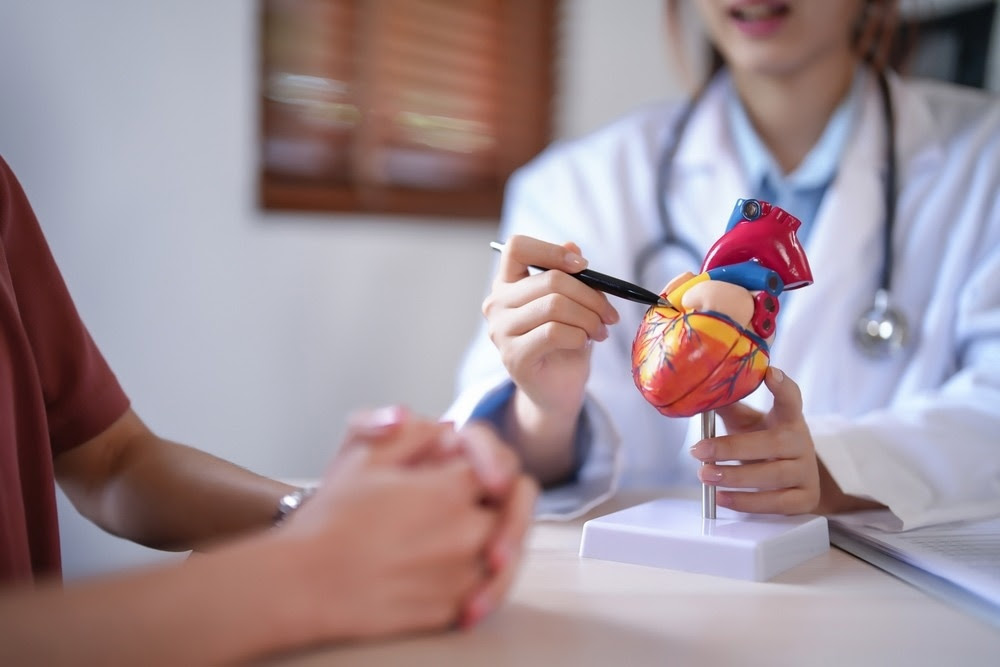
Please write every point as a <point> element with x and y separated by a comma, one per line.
<point>964,553</point>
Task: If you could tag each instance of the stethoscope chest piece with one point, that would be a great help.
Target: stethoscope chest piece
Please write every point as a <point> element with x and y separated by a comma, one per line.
<point>881,332</point>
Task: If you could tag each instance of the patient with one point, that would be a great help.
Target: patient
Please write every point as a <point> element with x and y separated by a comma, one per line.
<point>414,527</point>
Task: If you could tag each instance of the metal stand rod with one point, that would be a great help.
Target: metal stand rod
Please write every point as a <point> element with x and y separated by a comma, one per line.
<point>707,490</point>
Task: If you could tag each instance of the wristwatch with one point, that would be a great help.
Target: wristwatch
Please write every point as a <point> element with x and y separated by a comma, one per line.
<point>291,502</point>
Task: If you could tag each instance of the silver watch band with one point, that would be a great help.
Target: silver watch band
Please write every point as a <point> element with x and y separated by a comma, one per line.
<point>291,502</point>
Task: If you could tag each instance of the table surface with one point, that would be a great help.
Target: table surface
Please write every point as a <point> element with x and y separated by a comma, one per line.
<point>832,610</point>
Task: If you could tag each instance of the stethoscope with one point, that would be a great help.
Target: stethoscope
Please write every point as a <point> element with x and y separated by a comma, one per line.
<point>880,331</point>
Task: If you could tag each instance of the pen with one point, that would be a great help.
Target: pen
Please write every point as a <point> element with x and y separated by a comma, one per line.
<point>608,284</point>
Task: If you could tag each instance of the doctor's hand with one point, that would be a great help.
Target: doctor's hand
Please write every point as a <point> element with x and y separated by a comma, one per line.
<point>779,472</point>
<point>543,324</point>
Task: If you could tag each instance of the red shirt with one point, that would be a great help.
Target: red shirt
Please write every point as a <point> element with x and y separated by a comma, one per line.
<point>56,390</point>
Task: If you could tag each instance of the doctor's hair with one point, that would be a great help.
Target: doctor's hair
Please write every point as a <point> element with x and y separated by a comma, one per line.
<point>875,33</point>
<point>874,37</point>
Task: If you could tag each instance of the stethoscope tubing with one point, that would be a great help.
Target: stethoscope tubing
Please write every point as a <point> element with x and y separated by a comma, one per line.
<point>889,190</point>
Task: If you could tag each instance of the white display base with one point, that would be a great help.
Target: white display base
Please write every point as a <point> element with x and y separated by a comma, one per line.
<point>670,533</point>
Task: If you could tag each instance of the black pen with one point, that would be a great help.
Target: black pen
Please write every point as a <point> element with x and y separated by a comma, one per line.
<point>608,284</point>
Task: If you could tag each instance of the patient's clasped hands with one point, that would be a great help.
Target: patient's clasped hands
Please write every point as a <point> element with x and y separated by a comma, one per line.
<point>438,518</point>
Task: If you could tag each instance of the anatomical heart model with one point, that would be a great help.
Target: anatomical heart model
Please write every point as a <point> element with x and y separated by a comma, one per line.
<point>710,348</point>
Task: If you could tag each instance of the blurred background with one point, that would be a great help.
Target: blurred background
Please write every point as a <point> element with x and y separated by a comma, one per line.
<point>246,310</point>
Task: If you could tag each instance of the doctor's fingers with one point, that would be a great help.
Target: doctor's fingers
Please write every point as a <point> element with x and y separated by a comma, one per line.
<point>763,475</point>
<point>787,396</point>
<point>741,418</point>
<point>540,286</point>
<point>772,443</point>
<point>522,252</point>
<point>553,321</point>
<point>783,501</point>
<point>524,356</point>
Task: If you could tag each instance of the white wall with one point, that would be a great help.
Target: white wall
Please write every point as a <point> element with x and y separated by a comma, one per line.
<point>132,128</point>
<point>614,57</point>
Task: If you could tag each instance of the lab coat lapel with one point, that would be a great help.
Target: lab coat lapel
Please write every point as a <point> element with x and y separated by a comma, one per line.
<point>846,242</point>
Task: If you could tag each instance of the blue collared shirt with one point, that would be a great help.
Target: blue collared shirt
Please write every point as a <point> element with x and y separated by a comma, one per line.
<point>801,191</point>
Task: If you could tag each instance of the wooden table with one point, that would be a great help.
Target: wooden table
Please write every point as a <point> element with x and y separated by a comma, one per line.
<point>564,610</point>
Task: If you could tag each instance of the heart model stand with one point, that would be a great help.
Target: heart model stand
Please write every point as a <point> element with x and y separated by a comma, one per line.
<point>671,533</point>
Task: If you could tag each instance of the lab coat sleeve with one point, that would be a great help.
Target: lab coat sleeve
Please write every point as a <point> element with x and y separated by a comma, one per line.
<point>530,208</point>
<point>935,457</point>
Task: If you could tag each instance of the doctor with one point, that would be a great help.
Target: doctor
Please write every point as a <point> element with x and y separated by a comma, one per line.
<point>897,183</point>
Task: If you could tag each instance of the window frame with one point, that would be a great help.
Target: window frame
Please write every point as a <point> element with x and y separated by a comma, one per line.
<point>278,193</point>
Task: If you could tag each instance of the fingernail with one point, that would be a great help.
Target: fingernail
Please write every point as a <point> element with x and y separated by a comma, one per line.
<point>703,449</point>
<point>602,332</point>
<point>477,610</point>
<point>710,475</point>
<point>389,415</point>
<point>575,261</point>
<point>611,317</point>
<point>777,374</point>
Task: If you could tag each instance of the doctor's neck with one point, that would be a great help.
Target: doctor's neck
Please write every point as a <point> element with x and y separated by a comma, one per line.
<point>790,110</point>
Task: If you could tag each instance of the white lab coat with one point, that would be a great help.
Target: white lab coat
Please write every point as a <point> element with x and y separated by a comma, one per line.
<point>919,433</point>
